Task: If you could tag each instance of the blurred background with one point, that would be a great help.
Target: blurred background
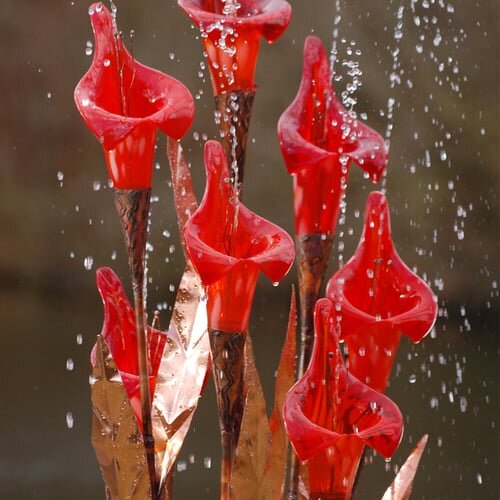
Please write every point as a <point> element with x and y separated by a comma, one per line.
<point>433,63</point>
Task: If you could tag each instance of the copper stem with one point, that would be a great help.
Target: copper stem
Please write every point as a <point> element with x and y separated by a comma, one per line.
<point>147,426</point>
<point>228,363</point>
<point>313,252</point>
<point>132,206</point>
<point>233,113</point>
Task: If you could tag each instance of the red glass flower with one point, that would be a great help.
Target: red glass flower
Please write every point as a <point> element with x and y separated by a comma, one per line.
<point>124,102</point>
<point>319,139</point>
<point>228,245</point>
<point>119,333</point>
<point>231,32</point>
<point>330,415</point>
<point>378,298</point>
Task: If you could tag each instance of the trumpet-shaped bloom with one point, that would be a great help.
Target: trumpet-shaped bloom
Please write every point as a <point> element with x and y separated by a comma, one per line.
<point>124,102</point>
<point>119,333</point>
<point>378,298</point>
<point>319,138</point>
<point>228,245</point>
<point>330,415</point>
<point>231,32</point>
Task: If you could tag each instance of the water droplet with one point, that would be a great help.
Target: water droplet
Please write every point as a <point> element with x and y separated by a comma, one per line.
<point>70,365</point>
<point>88,262</point>
<point>463,404</point>
<point>181,466</point>
<point>412,379</point>
<point>207,463</point>
<point>69,420</point>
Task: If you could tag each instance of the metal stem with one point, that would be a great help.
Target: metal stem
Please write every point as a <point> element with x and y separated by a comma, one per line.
<point>132,206</point>
<point>233,113</point>
<point>228,362</point>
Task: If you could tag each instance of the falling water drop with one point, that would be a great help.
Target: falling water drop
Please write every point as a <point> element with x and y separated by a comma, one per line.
<point>88,262</point>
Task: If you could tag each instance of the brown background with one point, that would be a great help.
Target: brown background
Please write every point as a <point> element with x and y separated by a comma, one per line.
<point>47,297</point>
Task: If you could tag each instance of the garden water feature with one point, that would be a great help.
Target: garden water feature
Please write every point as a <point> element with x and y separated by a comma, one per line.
<point>448,382</point>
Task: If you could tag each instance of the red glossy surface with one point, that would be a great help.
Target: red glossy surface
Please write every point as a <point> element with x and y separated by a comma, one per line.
<point>228,245</point>
<point>119,333</point>
<point>330,415</point>
<point>319,139</point>
<point>124,102</point>
<point>231,32</point>
<point>378,299</point>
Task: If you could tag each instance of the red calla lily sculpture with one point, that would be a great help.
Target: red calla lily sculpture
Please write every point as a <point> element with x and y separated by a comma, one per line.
<point>119,333</point>
<point>330,415</point>
<point>123,103</point>
<point>231,32</point>
<point>319,139</point>
<point>229,245</point>
<point>379,299</point>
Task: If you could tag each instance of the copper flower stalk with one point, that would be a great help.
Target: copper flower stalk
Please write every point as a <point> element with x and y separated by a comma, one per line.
<point>229,245</point>
<point>233,111</point>
<point>231,32</point>
<point>124,103</point>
